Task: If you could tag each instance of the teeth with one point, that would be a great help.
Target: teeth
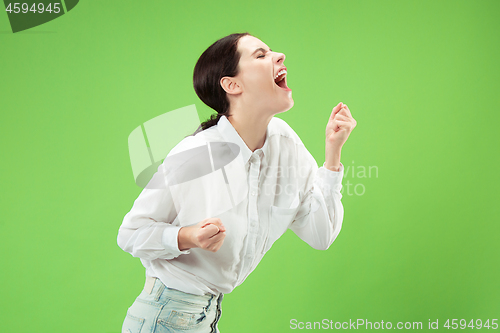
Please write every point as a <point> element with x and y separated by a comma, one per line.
<point>280,73</point>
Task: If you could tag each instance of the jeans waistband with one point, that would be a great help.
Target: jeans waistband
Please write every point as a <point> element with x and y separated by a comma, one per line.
<point>151,282</point>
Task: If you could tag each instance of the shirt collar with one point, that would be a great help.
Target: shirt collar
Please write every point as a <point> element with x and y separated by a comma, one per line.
<point>230,134</point>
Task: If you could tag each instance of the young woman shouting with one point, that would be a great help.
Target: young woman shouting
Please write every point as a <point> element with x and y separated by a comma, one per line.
<point>200,236</point>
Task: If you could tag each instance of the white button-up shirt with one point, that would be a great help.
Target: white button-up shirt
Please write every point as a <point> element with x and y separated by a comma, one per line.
<point>257,195</point>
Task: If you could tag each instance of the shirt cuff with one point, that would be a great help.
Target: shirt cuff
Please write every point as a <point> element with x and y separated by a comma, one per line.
<point>332,179</point>
<point>170,241</point>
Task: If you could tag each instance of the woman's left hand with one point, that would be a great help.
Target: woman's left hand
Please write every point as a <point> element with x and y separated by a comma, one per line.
<point>339,126</point>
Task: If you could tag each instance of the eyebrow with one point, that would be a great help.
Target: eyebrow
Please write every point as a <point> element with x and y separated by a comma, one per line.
<point>260,49</point>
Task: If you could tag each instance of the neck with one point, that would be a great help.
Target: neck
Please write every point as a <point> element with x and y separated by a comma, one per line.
<point>251,126</point>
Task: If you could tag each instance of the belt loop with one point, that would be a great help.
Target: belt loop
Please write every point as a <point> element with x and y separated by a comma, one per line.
<point>159,292</point>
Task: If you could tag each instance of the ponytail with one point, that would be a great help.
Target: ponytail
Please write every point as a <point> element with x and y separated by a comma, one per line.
<point>213,120</point>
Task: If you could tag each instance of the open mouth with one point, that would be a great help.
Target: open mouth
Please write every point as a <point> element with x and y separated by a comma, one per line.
<point>280,80</point>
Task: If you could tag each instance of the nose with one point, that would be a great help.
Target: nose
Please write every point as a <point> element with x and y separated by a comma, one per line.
<point>280,58</point>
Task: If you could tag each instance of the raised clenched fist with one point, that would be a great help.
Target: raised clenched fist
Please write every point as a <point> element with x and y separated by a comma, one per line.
<point>340,125</point>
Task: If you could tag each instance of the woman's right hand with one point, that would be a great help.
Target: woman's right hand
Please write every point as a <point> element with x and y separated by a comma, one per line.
<point>209,235</point>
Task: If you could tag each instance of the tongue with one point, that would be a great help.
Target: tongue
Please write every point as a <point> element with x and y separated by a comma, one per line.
<point>282,83</point>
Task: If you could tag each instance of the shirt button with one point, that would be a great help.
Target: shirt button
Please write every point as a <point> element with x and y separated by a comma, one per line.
<point>253,193</point>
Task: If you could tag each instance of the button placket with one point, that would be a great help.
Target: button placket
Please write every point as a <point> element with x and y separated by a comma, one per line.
<point>252,212</point>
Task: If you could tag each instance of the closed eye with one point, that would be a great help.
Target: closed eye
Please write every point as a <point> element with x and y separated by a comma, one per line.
<point>262,52</point>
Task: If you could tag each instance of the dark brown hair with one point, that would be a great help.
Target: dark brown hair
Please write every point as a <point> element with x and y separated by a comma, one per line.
<point>219,60</point>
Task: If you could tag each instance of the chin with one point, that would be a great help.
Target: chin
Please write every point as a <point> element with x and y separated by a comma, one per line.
<point>289,105</point>
<point>286,107</point>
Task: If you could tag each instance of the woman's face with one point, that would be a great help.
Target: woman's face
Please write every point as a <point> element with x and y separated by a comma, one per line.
<point>262,76</point>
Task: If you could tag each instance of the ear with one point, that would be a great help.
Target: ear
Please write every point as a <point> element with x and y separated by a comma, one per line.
<point>231,85</point>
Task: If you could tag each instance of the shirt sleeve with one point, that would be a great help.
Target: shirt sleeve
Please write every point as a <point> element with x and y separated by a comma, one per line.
<point>150,229</point>
<point>319,218</point>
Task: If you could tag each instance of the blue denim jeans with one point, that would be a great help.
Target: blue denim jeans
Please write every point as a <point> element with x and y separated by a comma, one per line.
<point>165,310</point>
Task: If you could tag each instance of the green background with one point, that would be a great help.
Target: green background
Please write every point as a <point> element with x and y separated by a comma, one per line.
<point>420,77</point>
